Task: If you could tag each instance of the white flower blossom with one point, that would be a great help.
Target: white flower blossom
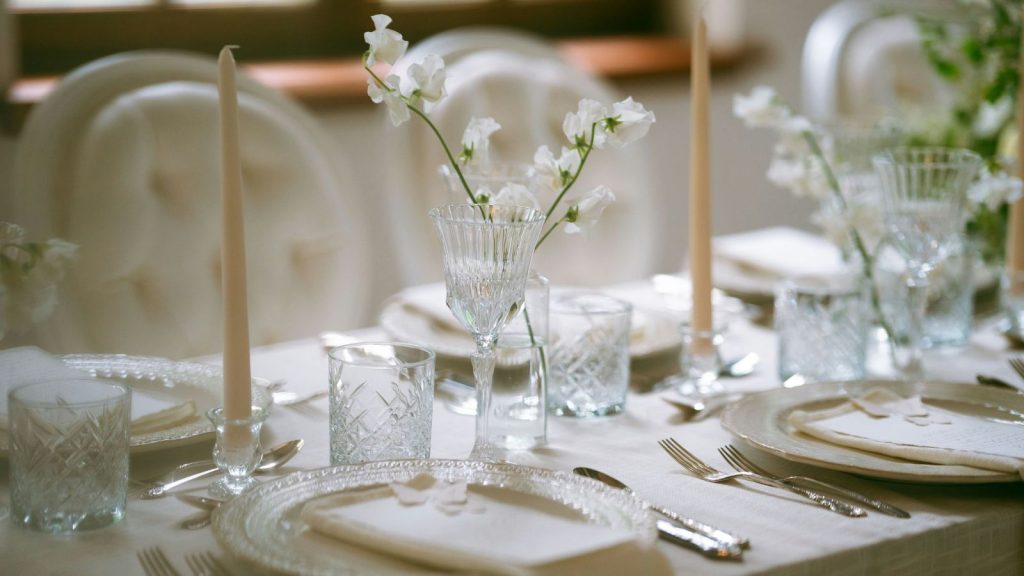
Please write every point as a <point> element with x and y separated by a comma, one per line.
<point>385,45</point>
<point>552,173</point>
<point>578,125</point>
<point>483,195</point>
<point>426,79</point>
<point>628,122</point>
<point>803,177</point>
<point>476,140</point>
<point>516,195</point>
<point>992,190</point>
<point>761,109</point>
<point>588,209</point>
<point>992,117</point>
<point>397,110</point>
<point>29,274</point>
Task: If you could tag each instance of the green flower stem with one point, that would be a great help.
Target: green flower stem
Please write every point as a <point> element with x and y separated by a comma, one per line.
<point>444,145</point>
<point>548,233</point>
<point>858,242</point>
<point>583,161</point>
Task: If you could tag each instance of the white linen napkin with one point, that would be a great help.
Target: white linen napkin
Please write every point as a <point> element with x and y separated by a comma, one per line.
<point>452,526</point>
<point>779,252</point>
<point>884,422</point>
<point>28,364</point>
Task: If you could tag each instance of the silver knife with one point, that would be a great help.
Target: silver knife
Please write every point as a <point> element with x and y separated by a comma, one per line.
<point>872,503</point>
<point>678,534</point>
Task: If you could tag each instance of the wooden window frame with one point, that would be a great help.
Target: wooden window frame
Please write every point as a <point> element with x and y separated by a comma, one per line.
<point>57,41</point>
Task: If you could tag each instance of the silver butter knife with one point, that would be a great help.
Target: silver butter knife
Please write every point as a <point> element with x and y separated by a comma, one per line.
<point>679,534</point>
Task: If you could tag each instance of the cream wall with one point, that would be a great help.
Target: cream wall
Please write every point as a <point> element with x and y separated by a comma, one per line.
<point>742,198</point>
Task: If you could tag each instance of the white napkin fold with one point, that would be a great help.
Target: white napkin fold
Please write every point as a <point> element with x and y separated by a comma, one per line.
<point>779,252</point>
<point>28,364</point>
<point>884,422</point>
<point>447,525</point>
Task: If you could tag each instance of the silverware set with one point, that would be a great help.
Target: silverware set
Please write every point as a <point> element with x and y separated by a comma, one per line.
<point>155,563</point>
<point>746,470</point>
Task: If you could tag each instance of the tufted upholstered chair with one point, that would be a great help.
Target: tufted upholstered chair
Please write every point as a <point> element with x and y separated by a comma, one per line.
<point>528,88</point>
<point>861,62</point>
<point>123,159</point>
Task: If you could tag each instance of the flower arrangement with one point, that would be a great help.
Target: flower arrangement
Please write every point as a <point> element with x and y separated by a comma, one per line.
<point>978,56</point>
<point>29,274</point>
<point>593,126</point>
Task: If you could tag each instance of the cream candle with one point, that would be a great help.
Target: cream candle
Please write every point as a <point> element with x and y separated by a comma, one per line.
<point>237,378</point>
<point>700,199</point>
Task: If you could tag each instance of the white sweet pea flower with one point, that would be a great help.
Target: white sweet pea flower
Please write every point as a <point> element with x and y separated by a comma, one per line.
<point>552,173</point>
<point>993,189</point>
<point>29,274</point>
<point>397,110</point>
<point>385,45</point>
<point>588,209</point>
<point>476,140</point>
<point>516,195</point>
<point>803,177</point>
<point>578,125</point>
<point>992,117</point>
<point>426,79</point>
<point>483,195</point>
<point>761,109</point>
<point>628,122</point>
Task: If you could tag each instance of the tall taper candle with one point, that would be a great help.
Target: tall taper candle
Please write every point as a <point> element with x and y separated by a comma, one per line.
<point>237,379</point>
<point>700,199</point>
<point>1015,243</point>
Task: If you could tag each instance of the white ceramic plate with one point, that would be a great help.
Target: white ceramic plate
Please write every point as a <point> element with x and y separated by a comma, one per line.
<point>402,323</point>
<point>762,421</point>
<point>168,380</point>
<point>264,526</point>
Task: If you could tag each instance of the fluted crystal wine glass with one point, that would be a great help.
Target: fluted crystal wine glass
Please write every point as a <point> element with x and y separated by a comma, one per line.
<point>487,252</point>
<point>924,191</point>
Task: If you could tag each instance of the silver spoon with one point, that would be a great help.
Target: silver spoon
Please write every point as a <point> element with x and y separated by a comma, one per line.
<point>727,545</point>
<point>202,520</point>
<point>272,459</point>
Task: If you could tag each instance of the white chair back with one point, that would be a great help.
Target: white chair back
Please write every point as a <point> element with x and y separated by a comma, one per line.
<point>123,159</point>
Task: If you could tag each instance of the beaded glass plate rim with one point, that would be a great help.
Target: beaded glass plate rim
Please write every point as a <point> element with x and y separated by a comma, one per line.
<point>756,420</point>
<point>155,369</point>
<point>248,526</point>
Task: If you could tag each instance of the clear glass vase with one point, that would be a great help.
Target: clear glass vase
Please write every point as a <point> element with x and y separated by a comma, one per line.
<point>518,417</point>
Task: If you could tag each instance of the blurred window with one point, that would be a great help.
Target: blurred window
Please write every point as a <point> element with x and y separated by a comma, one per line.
<point>57,35</point>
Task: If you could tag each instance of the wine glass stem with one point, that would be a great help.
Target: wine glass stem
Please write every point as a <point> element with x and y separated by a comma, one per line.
<point>917,301</point>
<point>483,372</point>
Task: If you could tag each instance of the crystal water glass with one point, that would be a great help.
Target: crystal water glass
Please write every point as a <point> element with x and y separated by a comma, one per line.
<point>69,454</point>
<point>487,252</point>
<point>924,191</point>
<point>382,396</point>
<point>589,354</point>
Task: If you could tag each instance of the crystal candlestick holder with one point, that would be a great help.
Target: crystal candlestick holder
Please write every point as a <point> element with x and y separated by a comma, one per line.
<point>700,362</point>
<point>237,451</point>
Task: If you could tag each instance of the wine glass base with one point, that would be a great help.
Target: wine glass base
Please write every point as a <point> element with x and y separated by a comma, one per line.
<point>229,487</point>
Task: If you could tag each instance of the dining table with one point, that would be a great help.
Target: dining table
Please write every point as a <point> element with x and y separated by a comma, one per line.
<point>953,528</point>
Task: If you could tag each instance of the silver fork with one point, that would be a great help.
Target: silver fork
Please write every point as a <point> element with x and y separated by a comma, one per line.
<point>1017,363</point>
<point>206,564</point>
<point>735,458</point>
<point>705,472</point>
<point>155,563</point>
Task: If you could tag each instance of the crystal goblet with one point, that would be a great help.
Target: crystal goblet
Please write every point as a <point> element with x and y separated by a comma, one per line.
<point>923,194</point>
<point>487,252</point>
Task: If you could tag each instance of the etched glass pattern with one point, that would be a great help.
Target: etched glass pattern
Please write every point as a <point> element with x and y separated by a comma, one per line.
<point>69,454</point>
<point>381,402</point>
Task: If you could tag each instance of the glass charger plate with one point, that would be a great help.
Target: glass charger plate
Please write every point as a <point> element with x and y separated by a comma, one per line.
<point>762,420</point>
<point>264,526</point>
<point>659,337</point>
<point>168,380</point>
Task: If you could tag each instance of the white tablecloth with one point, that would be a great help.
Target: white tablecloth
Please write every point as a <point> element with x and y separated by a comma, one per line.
<point>954,529</point>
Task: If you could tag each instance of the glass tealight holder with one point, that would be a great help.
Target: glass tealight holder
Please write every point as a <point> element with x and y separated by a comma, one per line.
<point>700,362</point>
<point>236,451</point>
